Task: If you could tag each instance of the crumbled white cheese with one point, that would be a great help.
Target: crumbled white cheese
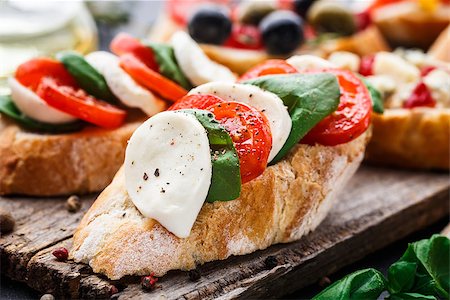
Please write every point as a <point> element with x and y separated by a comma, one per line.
<point>345,60</point>
<point>438,82</point>
<point>391,64</point>
<point>402,94</point>
<point>383,83</point>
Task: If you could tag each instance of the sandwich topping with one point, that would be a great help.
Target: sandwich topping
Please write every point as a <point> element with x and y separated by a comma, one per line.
<point>63,94</point>
<point>222,135</point>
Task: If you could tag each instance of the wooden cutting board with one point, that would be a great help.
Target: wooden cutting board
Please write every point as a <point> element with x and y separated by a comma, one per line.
<point>378,207</point>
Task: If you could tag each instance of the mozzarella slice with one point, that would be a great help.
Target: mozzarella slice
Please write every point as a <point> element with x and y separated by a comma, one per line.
<point>194,63</point>
<point>309,62</point>
<point>268,103</point>
<point>393,65</point>
<point>168,170</point>
<point>34,107</point>
<point>123,85</point>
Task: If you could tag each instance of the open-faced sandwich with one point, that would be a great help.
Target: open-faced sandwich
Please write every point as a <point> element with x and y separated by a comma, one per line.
<point>65,125</point>
<point>242,34</point>
<point>414,130</point>
<point>230,168</point>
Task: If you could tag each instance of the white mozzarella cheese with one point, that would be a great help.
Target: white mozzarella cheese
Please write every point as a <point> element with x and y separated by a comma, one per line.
<point>393,65</point>
<point>34,107</point>
<point>168,170</point>
<point>123,85</point>
<point>345,60</point>
<point>309,62</point>
<point>383,83</point>
<point>268,103</point>
<point>194,63</point>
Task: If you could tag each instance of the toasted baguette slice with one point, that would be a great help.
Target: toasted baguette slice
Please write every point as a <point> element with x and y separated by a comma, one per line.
<point>60,164</point>
<point>416,138</point>
<point>286,202</point>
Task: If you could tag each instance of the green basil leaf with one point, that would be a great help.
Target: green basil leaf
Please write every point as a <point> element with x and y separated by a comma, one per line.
<point>226,176</point>
<point>309,98</point>
<point>168,65</point>
<point>401,276</point>
<point>364,284</point>
<point>8,108</point>
<point>375,96</point>
<point>432,257</point>
<point>411,296</point>
<point>86,76</point>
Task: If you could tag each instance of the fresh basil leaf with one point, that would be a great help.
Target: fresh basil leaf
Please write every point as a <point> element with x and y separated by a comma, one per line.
<point>401,276</point>
<point>364,284</point>
<point>226,176</point>
<point>86,76</point>
<point>410,296</point>
<point>168,65</point>
<point>375,96</point>
<point>8,108</point>
<point>309,98</point>
<point>432,257</point>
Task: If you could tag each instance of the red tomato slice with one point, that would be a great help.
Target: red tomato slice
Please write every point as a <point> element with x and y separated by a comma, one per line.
<point>31,73</point>
<point>199,101</point>
<point>78,104</point>
<point>124,43</point>
<point>269,67</point>
<point>250,133</point>
<point>350,120</point>
<point>151,79</point>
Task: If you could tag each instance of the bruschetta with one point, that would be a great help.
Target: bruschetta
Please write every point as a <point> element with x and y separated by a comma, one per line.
<point>244,34</point>
<point>65,125</point>
<point>222,172</point>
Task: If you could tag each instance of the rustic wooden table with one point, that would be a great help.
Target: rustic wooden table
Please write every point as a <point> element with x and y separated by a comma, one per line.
<point>378,207</point>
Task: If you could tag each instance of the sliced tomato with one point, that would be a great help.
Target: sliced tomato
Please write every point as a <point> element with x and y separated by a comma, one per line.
<point>352,117</point>
<point>151,79</point>
<point>124,43</point>
<point>251,135</point>
<point>269,67</point>
<point>80,105</point>
<point>199,101</point>
<point>33,71</point>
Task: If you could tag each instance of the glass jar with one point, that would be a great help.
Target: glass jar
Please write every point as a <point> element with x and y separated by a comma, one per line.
<point>42,28</point>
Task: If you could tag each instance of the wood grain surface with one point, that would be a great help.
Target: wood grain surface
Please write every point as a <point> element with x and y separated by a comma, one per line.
<point>378,207</point>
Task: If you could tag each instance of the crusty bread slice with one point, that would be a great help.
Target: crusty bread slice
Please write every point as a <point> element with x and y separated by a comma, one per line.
<point>412,138</point>
<point>60,164</point>
<point>286,202</point>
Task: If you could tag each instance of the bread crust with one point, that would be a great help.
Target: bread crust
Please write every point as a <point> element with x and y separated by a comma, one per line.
<point>61,164</point>
<point>286,202</point>
<point>416,138</point>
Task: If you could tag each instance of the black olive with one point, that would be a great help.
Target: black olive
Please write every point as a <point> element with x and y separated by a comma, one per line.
<point>302,6</point>
<point>282,32</point>
<point>210,24</point>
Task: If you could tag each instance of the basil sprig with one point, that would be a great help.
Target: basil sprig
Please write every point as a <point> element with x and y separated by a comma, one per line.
<point>168,66</point>
<point>309,98</point>
<point>421,273</point>
<point>86,76</point>
<point>226,176</point>
<point>8,108</point>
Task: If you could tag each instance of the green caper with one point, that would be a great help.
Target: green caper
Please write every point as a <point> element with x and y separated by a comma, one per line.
<point>331,16</point>
<point>251,12</point>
